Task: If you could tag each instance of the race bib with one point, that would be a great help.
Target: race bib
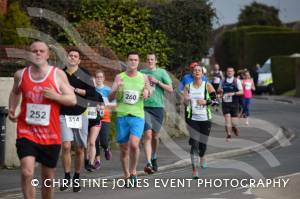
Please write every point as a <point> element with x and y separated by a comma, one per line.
<point>227,98</point>
<point>38,114</point>
<point>101,112</point>
<point>248,86</point>
<point>92,112</point>
<point>152,87</point>
<point>74,121</point>
<point>130,97</point>
<point>216,80</point>
<point>197,109</point>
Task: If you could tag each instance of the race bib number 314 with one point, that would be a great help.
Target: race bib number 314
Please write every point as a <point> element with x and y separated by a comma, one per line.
<point>38,114</point>
<point>74,121</point>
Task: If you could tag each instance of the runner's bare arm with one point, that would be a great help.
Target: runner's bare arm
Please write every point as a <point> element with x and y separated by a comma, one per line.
<point>114,88</point>
<point>67,97</point>
<point>210,88</point>
<point>147,90</point>
<point>240,88</point>
<point>166,87</point>
<point>185,94</point>
<point>14,97</point>
<point>213,95</point>
<point>252,85</point>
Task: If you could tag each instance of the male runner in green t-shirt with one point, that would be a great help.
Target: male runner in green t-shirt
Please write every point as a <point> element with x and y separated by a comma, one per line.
<point>160,82</point>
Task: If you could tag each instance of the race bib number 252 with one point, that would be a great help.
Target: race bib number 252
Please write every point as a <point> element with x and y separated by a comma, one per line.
<point>38,114</point>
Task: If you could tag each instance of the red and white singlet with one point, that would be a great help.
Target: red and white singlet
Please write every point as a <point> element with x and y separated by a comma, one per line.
<point>39,117</point>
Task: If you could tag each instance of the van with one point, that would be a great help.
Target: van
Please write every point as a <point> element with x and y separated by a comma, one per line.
<point>265,81</point>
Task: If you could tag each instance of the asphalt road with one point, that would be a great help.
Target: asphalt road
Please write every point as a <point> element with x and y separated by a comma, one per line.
<point>176,183</point>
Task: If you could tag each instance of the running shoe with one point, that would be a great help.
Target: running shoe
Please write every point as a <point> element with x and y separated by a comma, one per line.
<point>107,154</point>
<point>127,183</point>
<point>133,180</point>
<point>97,164</point>
<point>77,189</point>
<point>203,165</point>
<point>247,121</point>
<point>89,167</point>
<point>228,138</point>
<point>195,177</point>
<point>195,174</point>
<point>148,169</point>
<point>154,165</point>
<point>65,186</point>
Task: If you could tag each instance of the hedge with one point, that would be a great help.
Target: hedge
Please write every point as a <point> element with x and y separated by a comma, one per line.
<point>232,50</point>
<point>260,46</point>
<point>284,73</point>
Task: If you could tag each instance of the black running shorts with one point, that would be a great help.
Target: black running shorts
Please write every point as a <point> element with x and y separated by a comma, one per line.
<point>47,155</point>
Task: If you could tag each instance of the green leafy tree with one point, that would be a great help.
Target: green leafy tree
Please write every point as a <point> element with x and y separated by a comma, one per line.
<point>128,27</point>
<point>15,18</point>
<point>259,14</point>
<point>93,32</point>
<point>188,25</point>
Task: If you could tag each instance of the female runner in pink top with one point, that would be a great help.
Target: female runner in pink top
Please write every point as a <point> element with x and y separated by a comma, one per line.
<point>248,86</point>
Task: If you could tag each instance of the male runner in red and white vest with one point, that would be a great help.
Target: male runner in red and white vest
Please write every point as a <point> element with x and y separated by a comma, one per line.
<point>43,89</point>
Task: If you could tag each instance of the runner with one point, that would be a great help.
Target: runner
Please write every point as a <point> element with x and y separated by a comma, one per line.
<point>188,78</point>
<point>74,121</point>
<point>160,82</point>
<point>231,88</point>
<point>216,76</point>
<point>43,88</point>
<point>241,76</point>
<point>199,96</point>
<point>248,86</point>
<point>130,88</point>
<point>95,112</point>
<point>103,136</point>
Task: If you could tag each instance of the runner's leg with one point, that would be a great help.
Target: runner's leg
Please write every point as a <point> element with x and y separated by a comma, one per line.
<point>47,173</point>
<point>124,157</point>
<point>147,145</point>
<point>134,153</point>
<point>91,150</point>
<point>27,173</point>
<point>228,126</point>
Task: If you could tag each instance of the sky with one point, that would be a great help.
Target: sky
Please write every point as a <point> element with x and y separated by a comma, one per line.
<point>229,10</point>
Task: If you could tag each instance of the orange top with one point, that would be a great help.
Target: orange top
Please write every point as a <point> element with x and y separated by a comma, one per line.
<point>39,117</point>
<point>106,116</point>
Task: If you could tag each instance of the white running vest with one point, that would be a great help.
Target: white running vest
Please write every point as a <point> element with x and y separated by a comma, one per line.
<point>199,113</point>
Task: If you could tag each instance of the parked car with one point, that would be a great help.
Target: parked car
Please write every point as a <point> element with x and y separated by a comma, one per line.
<point>265,81</point>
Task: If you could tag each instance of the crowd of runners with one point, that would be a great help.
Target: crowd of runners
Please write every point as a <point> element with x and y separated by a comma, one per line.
<point>61,106</point>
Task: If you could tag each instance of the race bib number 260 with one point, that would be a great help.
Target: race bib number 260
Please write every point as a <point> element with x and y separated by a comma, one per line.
<point>131,97</point>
